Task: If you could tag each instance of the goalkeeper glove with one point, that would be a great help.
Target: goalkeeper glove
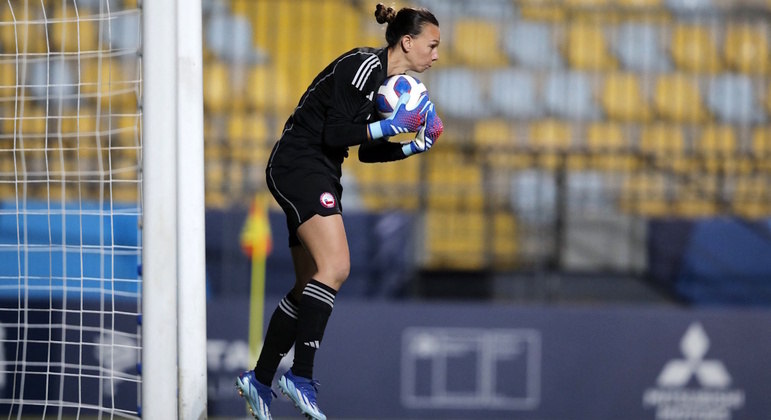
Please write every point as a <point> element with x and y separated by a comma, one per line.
<point>427,134</point>
<point>401,120</point>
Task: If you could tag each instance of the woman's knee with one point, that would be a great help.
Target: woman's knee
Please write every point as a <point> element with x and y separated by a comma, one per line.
<point>335,273</point>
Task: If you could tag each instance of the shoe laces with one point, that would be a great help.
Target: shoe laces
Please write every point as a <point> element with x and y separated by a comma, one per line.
<point>309,387</point>
<point>260,388</point>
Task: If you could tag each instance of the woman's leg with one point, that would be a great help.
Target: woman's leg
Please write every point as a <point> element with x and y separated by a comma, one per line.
<point>325,240</point>
<point>282,328</point>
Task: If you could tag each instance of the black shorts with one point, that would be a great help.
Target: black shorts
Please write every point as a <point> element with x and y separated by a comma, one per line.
<point>303,193</point>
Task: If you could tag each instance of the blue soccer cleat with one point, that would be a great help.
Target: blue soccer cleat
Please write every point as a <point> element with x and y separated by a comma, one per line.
<point>302,392</point>
<point>257,395</point>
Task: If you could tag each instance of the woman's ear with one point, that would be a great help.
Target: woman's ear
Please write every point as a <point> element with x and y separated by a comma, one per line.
<point>406,43</point>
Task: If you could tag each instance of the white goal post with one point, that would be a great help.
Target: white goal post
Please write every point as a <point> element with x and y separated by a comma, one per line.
<point>102,248</point>
<point>174,300</point>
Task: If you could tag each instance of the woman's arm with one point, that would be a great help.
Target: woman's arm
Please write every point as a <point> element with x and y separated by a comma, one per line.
<point>380,150</point>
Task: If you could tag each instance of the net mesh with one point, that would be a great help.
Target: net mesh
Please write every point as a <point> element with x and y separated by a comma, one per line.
<point>70,206</point>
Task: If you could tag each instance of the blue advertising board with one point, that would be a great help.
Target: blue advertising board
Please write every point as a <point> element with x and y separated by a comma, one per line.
<point>382,359</point>
<point>487,361</point>
<point>83,352</point>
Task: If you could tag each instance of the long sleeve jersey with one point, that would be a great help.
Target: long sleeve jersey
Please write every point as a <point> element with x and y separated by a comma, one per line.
<point>333,113</point>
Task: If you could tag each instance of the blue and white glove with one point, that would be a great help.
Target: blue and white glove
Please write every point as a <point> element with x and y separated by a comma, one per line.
<point>402,120</point>
<point>427,134</point>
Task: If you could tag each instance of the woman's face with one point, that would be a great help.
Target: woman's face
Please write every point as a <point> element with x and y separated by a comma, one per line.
<point>424,48</point>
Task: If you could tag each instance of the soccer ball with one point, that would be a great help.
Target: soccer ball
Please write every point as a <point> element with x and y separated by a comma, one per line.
<point>389,92</point>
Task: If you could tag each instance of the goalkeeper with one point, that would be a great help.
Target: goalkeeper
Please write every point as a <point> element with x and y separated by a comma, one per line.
<point>303,173</point>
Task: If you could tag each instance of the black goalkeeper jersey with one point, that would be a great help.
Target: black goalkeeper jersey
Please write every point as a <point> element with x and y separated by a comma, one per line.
<point>332,115</point>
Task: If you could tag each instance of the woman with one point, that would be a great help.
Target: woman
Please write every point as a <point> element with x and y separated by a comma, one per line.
<point>303,174</point>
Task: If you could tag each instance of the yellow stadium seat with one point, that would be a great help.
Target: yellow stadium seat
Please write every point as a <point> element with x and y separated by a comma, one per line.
<point>215,184</point>
<point>7,189</point>
<point>537,10</point>
<point>302,36</point>
<point>761,148</point>
<point>240,7</point>
<point>697,197</point>
<point>387,187</point>
<point>30,133</point>
<point>695,207</point>
<point>62,162</point>
<point>550,135</point>
<point>717,149</point>
<point>8,83</point>
<point>83,124</point>
<point>587,48</point>
<point>33,124</point>
<point>640,3</point>
<point>71,33</point>
<point>63,189</point>
<point>269,89</point>
<point>605,137</point>
<point>477,43</point>
<point>365,176</point>
<point>649,11</point>
<point>761,142</point>
<point>334,38</point>
<point>746,48</point>
<point>608,147</point>
<point>495,143</point>
<point>125,192</point>
<point>751,196</point>
<point>587,3</point>
<point>693,49</point>
<point>234,184</point>
<point>768,99</point>
<point>455,240</point>
<point>83,131</point>
<point>717,141</point>
<point>505,245</point>
<point>125,169</point>
<point>598,12</point>
<point>645,194</point>
<point>454,186</point>
<point>493,134</point>
<point>403,184</point>
<point>25,31</point>
<point>248,137</point>
<point>677,98</point>
<point>129,129</point>
<point>216,87</point>
<point>108,84</point>
<point>663,146</point>
<point>622,98</point>
<point>550,140</point>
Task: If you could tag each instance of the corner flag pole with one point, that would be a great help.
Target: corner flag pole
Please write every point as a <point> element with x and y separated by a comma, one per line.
<point>256,243</point>
<point>256,306</point>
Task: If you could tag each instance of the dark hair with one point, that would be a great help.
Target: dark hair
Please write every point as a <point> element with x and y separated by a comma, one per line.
<point>407,21</point>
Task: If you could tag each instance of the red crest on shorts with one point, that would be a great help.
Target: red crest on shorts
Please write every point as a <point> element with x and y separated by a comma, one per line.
<point>327,200</point>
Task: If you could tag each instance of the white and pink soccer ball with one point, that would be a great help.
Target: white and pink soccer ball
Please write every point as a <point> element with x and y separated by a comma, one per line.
<point>395,86</point>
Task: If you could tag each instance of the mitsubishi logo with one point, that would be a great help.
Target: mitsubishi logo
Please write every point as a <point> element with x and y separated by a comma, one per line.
<point>694,346</point>
<point>677,396</point>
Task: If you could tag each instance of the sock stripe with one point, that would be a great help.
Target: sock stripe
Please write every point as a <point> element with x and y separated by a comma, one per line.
<point>320,297</point>
<point>323,294</point>
<point>319,293</point>
<point>288,307</point>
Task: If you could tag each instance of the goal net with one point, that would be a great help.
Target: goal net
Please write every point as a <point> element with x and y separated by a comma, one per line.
<point>70,208</point>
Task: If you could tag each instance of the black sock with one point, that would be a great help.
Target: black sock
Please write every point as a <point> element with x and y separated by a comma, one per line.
<point>281,335</point>
<point>315,307</point>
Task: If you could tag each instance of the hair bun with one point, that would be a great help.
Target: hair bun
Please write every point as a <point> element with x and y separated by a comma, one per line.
<point>384,14</point>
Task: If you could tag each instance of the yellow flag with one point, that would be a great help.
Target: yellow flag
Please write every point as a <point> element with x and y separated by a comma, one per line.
<point>255,236</point>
